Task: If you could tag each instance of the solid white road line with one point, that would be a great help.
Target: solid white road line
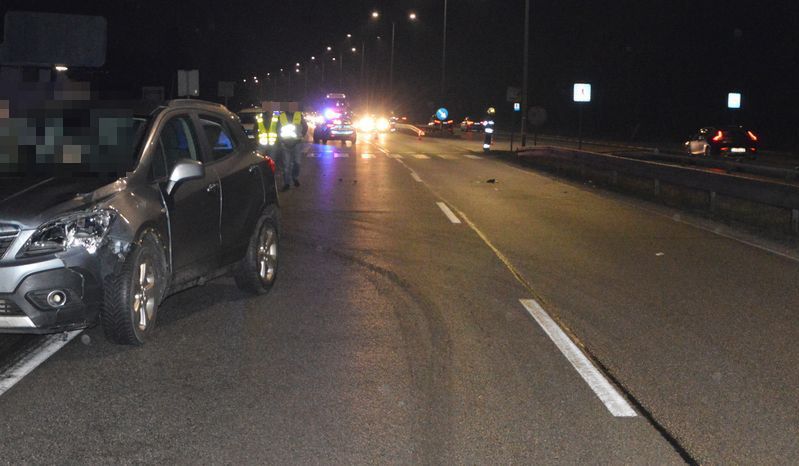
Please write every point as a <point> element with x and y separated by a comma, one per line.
<point>446,156</point>
<point>606,392</point>
<point>30,361</point>
<point>451,216</point>
<point>421,156</point>
<point>471,156</point>
<point>415,176</point>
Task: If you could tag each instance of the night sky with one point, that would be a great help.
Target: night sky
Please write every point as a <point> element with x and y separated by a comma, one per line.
<point>659,69</point>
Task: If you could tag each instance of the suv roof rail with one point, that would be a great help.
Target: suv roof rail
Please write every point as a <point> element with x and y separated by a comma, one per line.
<point>193,102</point>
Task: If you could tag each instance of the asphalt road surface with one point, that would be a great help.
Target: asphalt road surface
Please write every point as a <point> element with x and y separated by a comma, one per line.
<point>426,315</point>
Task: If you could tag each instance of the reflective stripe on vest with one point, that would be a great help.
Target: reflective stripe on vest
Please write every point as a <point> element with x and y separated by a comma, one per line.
<point>290,130</point>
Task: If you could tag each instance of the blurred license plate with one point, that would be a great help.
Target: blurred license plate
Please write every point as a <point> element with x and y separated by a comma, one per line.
<point>738,149</point>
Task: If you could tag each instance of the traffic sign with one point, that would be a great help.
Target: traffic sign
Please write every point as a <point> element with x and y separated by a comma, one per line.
<point>188,83</point>
<point>514,94</point>
<point>734,100</point>
<point>517,107</point>
<point>582,92</point>
<point>442,113</point>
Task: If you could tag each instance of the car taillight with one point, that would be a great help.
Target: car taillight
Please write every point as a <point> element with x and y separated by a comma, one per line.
<point>271,164</point>
<point>751,135</point>
<point>718,136</point>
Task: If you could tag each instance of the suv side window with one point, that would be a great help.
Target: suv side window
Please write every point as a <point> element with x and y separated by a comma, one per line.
<point>219,137</point>
<point>176,141</point>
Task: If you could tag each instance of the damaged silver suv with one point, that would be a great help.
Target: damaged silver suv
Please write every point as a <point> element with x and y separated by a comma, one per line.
<point>104,213</point>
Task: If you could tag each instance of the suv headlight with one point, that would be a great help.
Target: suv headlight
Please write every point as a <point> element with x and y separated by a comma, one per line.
<point>79,230</point>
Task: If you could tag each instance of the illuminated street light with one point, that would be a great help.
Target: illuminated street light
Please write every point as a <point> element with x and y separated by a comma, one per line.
<point>375,14</point>
<point>329,48</point>
<point>297,64</point>
<point>61,68</point>
<point>349,36</point>
<point>313,58</point>
<point>412,16</point>
<point>354,50</point>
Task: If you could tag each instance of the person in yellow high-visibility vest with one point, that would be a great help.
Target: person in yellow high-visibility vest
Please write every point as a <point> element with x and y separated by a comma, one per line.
<point>291,135</point>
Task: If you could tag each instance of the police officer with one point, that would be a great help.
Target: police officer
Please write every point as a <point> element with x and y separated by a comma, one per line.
<point>291,132</point>
<point>488,128</point>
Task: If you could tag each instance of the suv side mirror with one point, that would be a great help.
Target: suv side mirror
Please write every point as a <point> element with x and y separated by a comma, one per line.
<point>185,170</point>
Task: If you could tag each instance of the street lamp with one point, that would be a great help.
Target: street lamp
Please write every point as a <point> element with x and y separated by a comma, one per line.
<point>411,17</point>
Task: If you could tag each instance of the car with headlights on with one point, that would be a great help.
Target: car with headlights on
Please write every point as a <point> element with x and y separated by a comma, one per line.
<point>115,210</point>
<point>729,141</point>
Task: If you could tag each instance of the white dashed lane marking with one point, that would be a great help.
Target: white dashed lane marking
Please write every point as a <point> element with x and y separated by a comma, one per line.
<point>450,215</point>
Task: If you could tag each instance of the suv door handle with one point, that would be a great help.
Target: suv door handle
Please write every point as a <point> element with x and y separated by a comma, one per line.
<point>211,188</point>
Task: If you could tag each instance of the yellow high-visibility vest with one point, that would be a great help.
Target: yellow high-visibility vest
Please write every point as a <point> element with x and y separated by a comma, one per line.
<point>290,131</point>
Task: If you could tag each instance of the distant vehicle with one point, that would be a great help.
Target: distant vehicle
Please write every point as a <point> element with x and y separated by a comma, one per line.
<point>469,125</point>
<point>394,121</point>
<point>189,199</point>
<point>732,141</point>
<point>334,107</point>
<point>340,129</point>
<point>440,125</point>
<point>373,124</point>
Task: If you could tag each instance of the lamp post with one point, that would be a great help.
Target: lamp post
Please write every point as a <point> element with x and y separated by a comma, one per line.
<point>444,54</point>
<point>525,70</point>
<point>412,17</point>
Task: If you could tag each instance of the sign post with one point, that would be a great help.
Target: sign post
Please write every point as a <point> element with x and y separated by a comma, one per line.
<point>582,94</point>
<point>734,103</point>
<point>226,89</point>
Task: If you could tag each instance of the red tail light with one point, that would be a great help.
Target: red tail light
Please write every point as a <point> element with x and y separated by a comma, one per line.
<point>751,135</point>
<point>718,136</point>
<point>271,164</point>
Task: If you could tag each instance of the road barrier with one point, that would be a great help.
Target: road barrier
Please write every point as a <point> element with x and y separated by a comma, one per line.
<point>414,129</point>
<point>769,204</point>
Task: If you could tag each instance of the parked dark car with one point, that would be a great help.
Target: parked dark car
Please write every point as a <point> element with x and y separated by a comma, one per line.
<point>733,141</point>
<point>437,125</point>
<point>189,200</point>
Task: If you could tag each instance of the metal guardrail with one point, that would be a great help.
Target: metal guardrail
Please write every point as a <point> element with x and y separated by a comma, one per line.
<point>768,192</point>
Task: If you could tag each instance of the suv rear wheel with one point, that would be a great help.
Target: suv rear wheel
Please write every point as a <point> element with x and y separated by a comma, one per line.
<point>132,296</point>
<point>257,271</point>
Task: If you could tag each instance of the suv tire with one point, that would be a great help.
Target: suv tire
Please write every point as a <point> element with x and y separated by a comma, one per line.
<point>132,295</point>
<point>257,271</point>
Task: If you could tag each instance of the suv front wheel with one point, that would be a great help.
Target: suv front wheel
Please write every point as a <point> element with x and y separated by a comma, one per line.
<point>133,294</point>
